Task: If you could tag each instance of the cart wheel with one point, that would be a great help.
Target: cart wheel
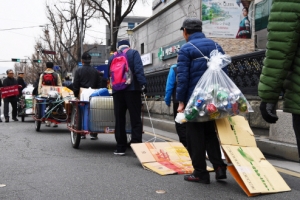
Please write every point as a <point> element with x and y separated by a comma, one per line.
<point>75,124</point>
<point>23,118</point>
<point>37,122</point>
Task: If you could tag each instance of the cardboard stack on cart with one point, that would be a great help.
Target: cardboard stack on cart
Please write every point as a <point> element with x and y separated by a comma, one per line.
<point>246,163</point>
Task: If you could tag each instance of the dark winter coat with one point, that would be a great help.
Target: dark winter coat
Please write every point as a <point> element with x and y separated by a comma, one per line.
<point>281,70</point>
<point>85,77</point>
<point>192,65</point>
<point>22,83</point>
<point>137,69</point>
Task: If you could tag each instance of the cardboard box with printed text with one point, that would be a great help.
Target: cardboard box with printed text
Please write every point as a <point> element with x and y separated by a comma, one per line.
<point>164,158</point>
<point>246,163</point>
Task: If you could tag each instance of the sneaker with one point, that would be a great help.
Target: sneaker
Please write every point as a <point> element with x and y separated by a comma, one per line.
<point>6,119</point>
<point>15,119</point>
<point>119,153</point>
<point>83,137</point>
<point>55,125</point>
<point>221,173</point>
<point>94,136</point>
<point>193,178</point>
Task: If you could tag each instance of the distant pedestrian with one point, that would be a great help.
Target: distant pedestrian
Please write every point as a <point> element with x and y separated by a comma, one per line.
<point>13,100</point>
<point>68,83</point>
<point>281,70</point>
<point>21,82</point>
<point>171,91</point>
<point>129,98</point>
<point>49,78</point>
<point>86,77</point>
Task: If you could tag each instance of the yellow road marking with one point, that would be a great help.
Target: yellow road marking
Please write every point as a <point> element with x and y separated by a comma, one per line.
<point>285,171</point>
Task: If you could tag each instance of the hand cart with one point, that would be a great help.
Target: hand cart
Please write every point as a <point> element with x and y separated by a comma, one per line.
<point>52,109</point>
<point>93,117</point>
<point>25,106</point>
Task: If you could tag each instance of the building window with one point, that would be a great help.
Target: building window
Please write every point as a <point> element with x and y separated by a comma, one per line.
<point>142,48</point>
<point>130,25</point>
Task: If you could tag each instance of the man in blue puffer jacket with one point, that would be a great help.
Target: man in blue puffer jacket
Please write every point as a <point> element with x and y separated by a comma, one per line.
<point>200,136</point>
<point>129,98</point>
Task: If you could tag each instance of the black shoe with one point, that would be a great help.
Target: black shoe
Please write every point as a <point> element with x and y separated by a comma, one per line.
<point>119,153</point>
<point>6,119</point>
<point>193,178</point>
<point>221,173</point>
<point>94,136</point>
<point>0,120</point>
<point>15,119</point>
<point>82,137</point>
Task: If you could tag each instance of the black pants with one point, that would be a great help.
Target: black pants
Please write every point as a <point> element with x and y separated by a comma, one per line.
<point>296,125</point>
<point>130,100</point>
<point>13,101</point>
<point>202,137</point>
<point>180,128</point>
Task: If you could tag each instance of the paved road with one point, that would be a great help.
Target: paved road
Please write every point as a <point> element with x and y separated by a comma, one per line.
<point>43,165</point>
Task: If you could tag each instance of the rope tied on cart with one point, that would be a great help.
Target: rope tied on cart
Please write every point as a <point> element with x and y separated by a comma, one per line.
<point>154,138</point>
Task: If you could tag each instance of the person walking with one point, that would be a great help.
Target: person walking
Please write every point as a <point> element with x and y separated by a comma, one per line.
<point>200,136</point>
<point>129,98</point>
<point>49,78</point>
<point>21,82</point>
<point>171,92</point>
<point>86,77</point>
<point>13,100</point>
<point>281,70</point>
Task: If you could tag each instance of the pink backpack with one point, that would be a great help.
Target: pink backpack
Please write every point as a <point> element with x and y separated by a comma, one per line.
<point>120,73</point>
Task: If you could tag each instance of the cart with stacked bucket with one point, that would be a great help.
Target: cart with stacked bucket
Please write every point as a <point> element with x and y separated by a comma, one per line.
<point>93,117</point>
<point>51,108</point>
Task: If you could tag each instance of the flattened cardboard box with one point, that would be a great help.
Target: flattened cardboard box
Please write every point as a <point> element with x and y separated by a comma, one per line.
<point>249,167</point>
<point>164,158</point>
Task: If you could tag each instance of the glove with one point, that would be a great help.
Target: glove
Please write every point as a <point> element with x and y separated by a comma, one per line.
<point>144,89</point>
<point>268,112</point>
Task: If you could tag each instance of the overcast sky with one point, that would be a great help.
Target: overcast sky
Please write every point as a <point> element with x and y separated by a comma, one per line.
<point>19,43</point>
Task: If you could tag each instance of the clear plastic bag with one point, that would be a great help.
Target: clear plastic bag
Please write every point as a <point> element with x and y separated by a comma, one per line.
<point>215,95</point>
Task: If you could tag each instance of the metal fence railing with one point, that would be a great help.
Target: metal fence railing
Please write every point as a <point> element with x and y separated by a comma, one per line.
<point>244,71</point>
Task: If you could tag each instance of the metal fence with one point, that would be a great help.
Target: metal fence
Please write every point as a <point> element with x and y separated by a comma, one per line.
<point>244,71</point>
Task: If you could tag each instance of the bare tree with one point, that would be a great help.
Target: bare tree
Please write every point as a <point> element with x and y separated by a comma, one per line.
<point>66,32</point>
<point>120,10</point>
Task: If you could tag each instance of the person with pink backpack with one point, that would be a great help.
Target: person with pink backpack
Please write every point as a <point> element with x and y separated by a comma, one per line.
<point>128,83</point>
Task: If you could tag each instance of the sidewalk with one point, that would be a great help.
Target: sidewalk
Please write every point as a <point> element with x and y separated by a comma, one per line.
<point>166,130</point>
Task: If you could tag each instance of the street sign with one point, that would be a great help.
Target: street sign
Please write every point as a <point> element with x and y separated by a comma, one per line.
<point>48,52</point>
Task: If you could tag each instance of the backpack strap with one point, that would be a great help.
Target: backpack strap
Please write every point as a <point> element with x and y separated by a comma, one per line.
<point>199,51</point>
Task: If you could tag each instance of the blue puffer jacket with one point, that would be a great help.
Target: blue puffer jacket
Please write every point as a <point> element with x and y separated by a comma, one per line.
<point>137,69</point>
<point>191,64</point>
<point>170,85</point>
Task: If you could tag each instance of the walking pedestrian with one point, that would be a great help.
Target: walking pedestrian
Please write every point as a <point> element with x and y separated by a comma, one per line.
<point>13,100</point>
<point>21,82</point>
<point>86,77</point>
<point>200,136</point>
<point>171,92</point>
<point>129,98</point>
<point>281,70</point>
<point>49,78</point>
